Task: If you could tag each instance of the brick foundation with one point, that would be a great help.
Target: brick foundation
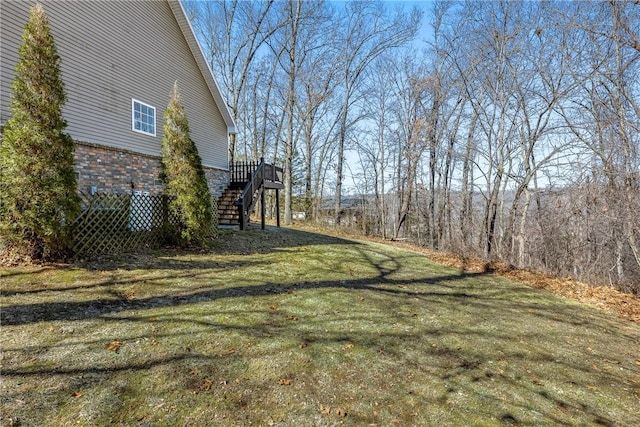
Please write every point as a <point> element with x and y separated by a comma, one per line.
<point>115,170</point>
<point>218,180</point>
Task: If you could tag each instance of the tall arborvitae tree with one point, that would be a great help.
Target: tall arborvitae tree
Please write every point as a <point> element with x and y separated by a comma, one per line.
<point>184,176</point>
<point>38,199</point>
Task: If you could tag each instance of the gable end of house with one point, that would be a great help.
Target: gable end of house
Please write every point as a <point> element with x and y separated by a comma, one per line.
<point>119,63</point>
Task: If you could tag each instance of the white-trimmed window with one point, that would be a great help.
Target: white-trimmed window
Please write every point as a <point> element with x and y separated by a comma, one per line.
<point>143,117</point>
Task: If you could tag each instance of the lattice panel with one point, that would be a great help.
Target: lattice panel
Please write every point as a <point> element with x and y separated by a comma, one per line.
<point>113,223</point>
<point>215,220</point>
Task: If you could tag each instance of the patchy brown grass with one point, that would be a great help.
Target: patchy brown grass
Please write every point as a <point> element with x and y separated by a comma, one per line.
<point>606,298</point>
<point>290,327</point>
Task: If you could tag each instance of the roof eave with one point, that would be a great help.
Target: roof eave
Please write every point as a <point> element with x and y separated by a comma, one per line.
<point>196,50</point>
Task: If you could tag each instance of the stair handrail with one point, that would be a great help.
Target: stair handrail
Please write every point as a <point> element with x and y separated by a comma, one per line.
<point>246,200</point>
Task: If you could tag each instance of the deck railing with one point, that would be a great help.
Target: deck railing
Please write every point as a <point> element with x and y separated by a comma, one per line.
<point>273,175</point>
<point>242,172</point>
<point>258,178</point>
<point>246,200</point>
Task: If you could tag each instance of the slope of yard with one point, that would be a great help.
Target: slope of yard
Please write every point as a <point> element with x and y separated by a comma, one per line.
<point>287,327</point>
<point>604,297</point>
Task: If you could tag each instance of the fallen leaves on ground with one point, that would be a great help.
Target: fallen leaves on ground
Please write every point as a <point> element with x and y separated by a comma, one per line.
<point>284,381</point>
<point>130,294</point>
<point>206,385</point>
<point>114,345</point>
<point>229,352</point>
<point>341,412</point>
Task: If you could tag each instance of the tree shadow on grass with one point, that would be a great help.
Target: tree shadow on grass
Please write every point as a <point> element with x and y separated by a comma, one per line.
<point>249,242</point>
<point>174,269</point>
<point>7,272</point>
<point>461,369</point>
<point>439,288</point>
<point>271,239</point>
<point>81,310</point>
<point>178,264</point>
<point>455,294</point>
<point>198,268</point>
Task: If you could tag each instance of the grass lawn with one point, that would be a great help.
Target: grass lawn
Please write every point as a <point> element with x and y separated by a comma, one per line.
<point>286,327</point>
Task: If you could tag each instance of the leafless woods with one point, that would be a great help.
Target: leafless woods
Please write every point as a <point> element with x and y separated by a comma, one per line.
<point>507,130</point>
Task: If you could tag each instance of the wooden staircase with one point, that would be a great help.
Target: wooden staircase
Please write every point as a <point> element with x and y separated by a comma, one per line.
<point>248,180</point>
<point>228,208</point>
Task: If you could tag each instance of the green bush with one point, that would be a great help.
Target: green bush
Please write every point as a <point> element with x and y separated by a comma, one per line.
<point>37,182</point>
<point>184,176</point>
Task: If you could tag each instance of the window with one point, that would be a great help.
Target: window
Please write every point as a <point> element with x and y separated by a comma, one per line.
<point>143,118</point>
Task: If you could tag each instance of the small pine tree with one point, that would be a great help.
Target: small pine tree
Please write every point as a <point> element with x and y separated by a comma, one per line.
<point>38,196</point>
<point>184,175</point>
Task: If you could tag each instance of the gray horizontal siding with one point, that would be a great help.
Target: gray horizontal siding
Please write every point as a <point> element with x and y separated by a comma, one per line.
<point>112,52</point>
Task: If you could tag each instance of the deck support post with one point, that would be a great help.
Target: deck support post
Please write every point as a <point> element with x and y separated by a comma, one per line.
<point>241,216</point>
<point>262,208</point>
<point>278,208</point>
<point>262,225</point>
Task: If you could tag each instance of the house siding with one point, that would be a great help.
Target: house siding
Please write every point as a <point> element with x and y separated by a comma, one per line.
<point>113,51</point>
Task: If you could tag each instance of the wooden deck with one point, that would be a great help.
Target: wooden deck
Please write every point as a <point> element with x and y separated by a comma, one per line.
<point>242,173</point>
<point>248,181</point>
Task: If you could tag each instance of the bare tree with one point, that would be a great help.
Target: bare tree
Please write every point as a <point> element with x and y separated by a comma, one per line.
<point>368,33</point>
<point>233,33</point>
<point>317,82</point>
<point>298,41</point>
<point>605,117</point>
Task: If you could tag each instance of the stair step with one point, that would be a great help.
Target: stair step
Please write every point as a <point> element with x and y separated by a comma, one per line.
<point>228,218</point>
<point>227,208</point>
<point>229,222</point>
